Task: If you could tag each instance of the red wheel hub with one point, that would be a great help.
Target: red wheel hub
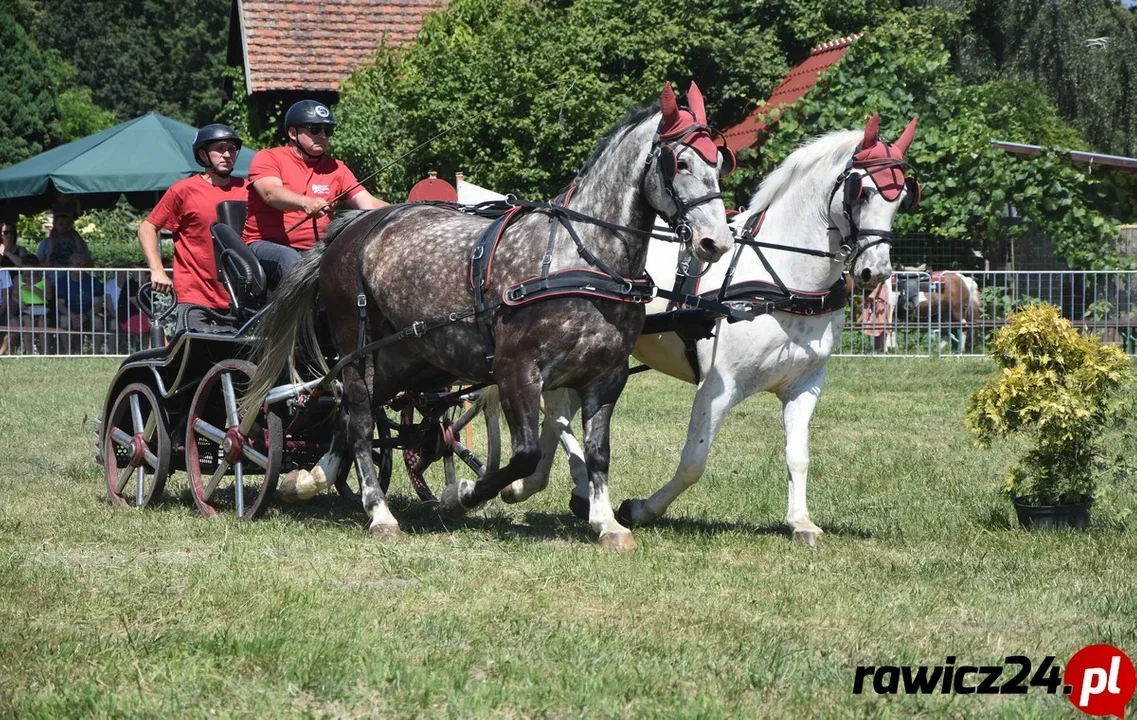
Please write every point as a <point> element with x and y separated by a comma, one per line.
<point>233,445</point>
<point>138,448</point>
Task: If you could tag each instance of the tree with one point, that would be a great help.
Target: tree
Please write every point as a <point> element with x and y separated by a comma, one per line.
<point>902,70</point>
<point>527,89</point>
<point>138,56</point>
<point>25,94</point>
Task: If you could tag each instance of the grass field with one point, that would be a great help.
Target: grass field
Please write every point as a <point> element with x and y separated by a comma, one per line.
<point>515,612</point>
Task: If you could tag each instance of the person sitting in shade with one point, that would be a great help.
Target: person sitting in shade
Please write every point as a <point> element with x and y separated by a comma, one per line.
<point>80,306</point>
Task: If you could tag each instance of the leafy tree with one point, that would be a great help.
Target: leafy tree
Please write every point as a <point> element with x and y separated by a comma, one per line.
<point>902,70</point>
<point>25,94</point>
<point>525,108</point>
<point>138,56</point>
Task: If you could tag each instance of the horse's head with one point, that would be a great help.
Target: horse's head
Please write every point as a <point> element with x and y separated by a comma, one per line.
<point>682,181</point>
<point>866,198</point>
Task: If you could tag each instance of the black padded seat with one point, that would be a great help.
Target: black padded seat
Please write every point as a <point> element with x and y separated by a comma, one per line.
<point>237,267</point>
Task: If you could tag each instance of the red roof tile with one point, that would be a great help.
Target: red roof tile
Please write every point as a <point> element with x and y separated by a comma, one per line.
<point>794,86</point>
<point>316,45</point>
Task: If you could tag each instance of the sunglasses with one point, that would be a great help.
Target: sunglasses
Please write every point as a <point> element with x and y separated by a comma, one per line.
<point>312,129</point>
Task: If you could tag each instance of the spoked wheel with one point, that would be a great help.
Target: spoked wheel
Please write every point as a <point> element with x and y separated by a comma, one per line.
<point>135,448</point>
<point>380,454</point>
<point>438,439</point>
<point>223,450</point>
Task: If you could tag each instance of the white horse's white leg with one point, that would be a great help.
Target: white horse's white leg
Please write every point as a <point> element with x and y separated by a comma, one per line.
<point>713,400</point>
<point>797,409</point>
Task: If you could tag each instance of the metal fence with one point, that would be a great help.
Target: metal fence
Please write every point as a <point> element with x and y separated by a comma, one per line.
<point>953,313</point>
<point>68,312</point>
<point>71,312</point>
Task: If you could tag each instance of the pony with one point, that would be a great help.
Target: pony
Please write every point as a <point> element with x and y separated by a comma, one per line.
<point>946,300</point>
<point>411,273</point>
<point>829,206</point>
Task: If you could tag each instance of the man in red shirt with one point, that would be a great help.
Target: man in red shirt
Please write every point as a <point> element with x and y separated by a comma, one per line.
<point>297,183</point>
<point>187,209</point>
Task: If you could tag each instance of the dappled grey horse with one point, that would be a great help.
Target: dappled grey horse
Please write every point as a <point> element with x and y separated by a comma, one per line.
<point>543,297</point>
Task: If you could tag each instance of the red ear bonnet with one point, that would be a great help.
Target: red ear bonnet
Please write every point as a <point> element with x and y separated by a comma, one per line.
<point>880,158</point>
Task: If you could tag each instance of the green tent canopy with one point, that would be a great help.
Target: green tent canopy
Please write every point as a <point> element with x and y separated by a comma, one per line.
<point>140,158</point>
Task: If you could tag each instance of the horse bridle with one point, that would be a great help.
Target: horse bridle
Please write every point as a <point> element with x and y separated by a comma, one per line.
<point>851,245</point>
<point>664,154</point>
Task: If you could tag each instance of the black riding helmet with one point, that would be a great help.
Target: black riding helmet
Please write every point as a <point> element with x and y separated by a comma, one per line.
<point>309,112</point>
<point>210,134</point>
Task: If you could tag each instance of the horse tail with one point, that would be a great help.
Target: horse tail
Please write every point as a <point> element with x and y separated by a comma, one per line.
<point>288,327</point>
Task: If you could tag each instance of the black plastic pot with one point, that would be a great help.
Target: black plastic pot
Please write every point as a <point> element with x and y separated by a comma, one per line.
<point>1053,517</point>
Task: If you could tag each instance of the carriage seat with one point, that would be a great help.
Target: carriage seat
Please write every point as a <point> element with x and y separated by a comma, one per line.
<point>237,267</point>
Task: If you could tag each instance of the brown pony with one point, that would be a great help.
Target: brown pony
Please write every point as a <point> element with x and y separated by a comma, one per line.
<point>944,301</point>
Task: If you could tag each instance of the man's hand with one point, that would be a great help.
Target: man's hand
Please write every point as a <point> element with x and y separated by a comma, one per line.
<point>160,282</point>
<point>314,207</point>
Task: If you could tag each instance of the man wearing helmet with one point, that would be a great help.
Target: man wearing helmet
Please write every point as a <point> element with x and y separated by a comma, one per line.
<point>297,185</point>
<point>187,209</point>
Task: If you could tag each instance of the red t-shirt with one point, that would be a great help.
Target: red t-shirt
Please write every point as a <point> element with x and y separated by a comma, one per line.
<point>326,178</point>
<point>187,209</point>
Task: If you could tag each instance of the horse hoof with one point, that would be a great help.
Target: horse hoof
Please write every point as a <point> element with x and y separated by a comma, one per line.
<point>807,538</point>
<point>580,507</point>
<point>387,533</point>
<point>450,503</point>
<point>619,541</point>
<point>510,493</point>
<point>297,486</point>
<point>631,513</point>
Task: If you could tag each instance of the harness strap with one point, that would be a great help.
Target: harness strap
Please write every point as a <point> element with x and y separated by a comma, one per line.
<point>579,281</point>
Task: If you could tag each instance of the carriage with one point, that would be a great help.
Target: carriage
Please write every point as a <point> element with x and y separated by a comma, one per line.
<point>572,326</point>
<point>176,408</point>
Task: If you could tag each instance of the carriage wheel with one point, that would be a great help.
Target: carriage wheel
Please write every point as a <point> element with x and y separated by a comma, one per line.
<point>135,448</point>
<point>441,441</point>
<point>216,447</point>
<point>381,456</point>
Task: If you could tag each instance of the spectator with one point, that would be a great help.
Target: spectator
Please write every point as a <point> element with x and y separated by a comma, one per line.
<point>11,253</point>
<point>35,293</point>
<point>7,303</point>
<point>63,241</point>
<point>297,182</point>
<point>81,305</point>
<point>131,320</point>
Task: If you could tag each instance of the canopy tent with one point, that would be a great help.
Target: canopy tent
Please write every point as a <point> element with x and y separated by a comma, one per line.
<point>141,158</point>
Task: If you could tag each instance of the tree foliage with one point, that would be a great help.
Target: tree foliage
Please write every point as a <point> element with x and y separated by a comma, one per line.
<point>25,94</point>
<point>138,56</point>
<point>526,89</point>
<point>1093,84</point>
<point>904,69</point>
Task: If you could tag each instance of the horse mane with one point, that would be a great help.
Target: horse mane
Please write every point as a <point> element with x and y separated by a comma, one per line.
<point>631,120</point>
<point>829,150</point>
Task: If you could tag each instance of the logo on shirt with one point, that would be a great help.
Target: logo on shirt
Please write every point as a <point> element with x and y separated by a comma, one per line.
<point>321,189</point>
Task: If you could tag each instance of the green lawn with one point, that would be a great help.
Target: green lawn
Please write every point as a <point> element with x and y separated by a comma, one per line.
<point>516,612</point>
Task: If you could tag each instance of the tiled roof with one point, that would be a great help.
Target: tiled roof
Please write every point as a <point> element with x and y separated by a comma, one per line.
<point>315,45</point>
<point>797,83</point>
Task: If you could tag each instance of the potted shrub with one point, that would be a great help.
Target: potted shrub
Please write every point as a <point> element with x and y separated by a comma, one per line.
<point>1061,389</point>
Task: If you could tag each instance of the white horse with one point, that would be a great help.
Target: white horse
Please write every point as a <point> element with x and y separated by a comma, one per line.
<point>830,204</point>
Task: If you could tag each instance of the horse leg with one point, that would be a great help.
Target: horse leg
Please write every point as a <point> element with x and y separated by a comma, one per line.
<point>490,400</point>
<point>527,487</point>
<point>597,403</point>
<point>520,389</point>
<point>797,409</point>
<point>357,423</point>
<point>713,400</point>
